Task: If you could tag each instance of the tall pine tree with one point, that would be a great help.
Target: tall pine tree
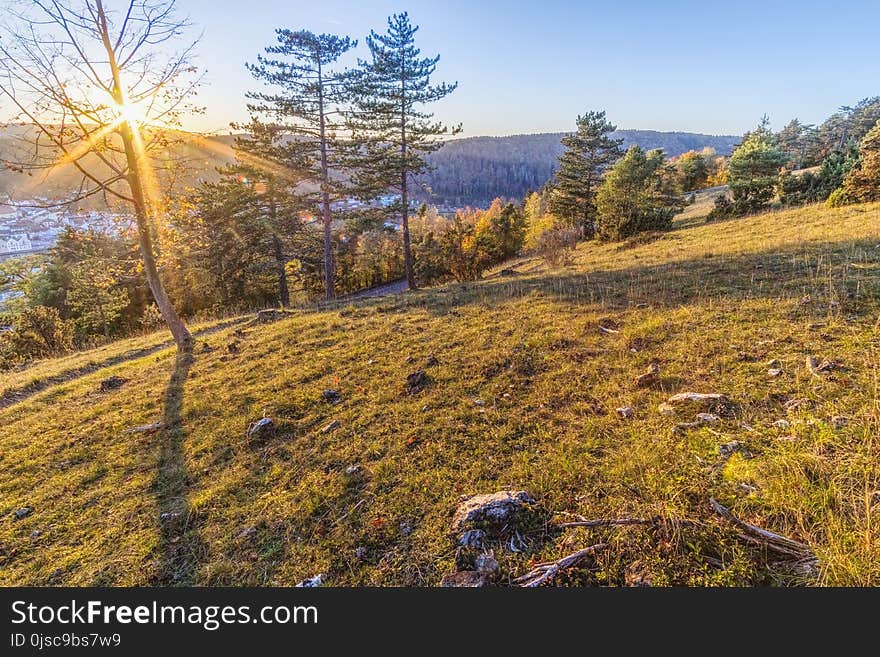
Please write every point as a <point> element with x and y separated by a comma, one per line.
<point>391,90</point>
<point>589,152</point>
<point>260,162</point>
<point>308,109</point>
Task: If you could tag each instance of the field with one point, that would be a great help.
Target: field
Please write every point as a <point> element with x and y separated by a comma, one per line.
<point>528,371</point>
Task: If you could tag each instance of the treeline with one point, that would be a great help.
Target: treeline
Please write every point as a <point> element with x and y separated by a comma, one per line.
<point>475,170</point>
<point>841,155</point>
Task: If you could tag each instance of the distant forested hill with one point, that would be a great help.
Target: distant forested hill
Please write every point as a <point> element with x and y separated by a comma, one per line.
<point>475,170</point>
<point>470,171</point>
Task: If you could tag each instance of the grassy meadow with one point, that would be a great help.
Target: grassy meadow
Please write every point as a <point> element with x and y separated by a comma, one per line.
<point>530,371</point>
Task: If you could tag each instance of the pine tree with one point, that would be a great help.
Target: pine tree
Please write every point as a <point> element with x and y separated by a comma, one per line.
<point>391,90</point>
<point>862,183</point>
<point>589,151</point>
<point>307,112</point>
<point>640,193</point>
<point>754,170</point>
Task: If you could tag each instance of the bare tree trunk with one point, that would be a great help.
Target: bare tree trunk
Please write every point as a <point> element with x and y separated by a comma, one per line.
<point>280,261</point>
<point>329,291</point>
<point>145,241</point>
<point>283,290</point>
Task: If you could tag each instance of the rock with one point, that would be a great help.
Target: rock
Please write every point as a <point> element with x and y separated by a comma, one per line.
<point>705,418</point>
<point>36,534</point>
<point>727,449</point>
<point>431,361</point>
<point>112,383</point>
<point>23,512</point>
<point>268,315</point>
<point>681,427</point>
<point>464,579</point>
<point>712,402</point>
<point>479,402</point>
<point>262,428</point>
<point>353,470</point>
<point>773,372</point>
<point>624,412</point>
<point>334,424</point>
<point>472,538</point>
<point>146,428</point>
<point>839,421</point>
<point>496,509</point>
<point>247,532</point>
<point>703,398</point>
<point>417,381</point>
<point>486,564</point>
<point>649,378</point>
<point>796,404</point>
<point>331,396</point>
<point>666,409</point>
<point>817,368</point>
<point>636,575</point>
<point>782,424</point>
<point>311,582</point>
<point>169,515</point>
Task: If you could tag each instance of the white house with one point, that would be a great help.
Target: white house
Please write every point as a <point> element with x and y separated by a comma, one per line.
<point>16,244</point>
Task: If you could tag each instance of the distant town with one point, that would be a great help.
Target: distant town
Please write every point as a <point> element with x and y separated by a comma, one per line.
<point>30,227</point>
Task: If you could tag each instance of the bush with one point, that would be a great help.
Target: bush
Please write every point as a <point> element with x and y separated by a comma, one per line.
<point>838,198</point>
<point>639,193</point>
<point>37,332</point>
<point>754,172</point>
<point>556,245</point>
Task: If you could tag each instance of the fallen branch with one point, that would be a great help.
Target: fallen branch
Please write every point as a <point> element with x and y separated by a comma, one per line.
<point>544,572</point>
<point>607,522</point>
<point>763,536</point>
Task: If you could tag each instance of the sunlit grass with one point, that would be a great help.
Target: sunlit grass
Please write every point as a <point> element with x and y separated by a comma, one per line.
<point>711,304</point>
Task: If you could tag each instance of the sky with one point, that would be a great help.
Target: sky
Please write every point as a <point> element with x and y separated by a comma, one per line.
<point>528,67</point>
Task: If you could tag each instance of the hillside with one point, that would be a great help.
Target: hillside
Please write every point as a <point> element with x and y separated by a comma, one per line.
<point>470,171</point>
<point>475,170</point>
<point>521,393</point>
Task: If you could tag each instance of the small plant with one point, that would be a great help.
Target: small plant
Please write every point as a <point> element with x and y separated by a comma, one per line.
<point>556,246</point>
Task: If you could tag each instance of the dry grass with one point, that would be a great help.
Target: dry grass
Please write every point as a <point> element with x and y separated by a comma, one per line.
<point>711,304</point>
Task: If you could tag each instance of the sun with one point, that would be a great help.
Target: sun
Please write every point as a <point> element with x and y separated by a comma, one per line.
<point>131,113</point>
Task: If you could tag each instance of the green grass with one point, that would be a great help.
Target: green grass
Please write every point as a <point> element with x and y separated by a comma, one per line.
<point>711,304</point>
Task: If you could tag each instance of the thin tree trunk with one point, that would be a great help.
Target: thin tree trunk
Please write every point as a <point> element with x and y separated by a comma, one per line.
<point>145,242</point>
<point>404,198</point>
<point>280,261</point>
<point>329,291</point>
<point>283,290</point>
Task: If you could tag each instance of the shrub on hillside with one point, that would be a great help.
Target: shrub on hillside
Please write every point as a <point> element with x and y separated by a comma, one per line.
<point>639,193</point>
<point>557,245</point>
<point>753,172</point>
<point>862,182</point>
<point>37,332</point>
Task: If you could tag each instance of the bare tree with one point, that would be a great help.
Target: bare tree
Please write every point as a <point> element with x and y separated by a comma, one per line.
<point>100,89</point>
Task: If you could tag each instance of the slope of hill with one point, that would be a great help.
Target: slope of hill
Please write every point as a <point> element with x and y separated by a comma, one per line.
<point>470,171</point>
<point>523,396</point>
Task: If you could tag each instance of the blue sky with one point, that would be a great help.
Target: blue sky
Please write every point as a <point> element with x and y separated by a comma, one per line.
<point>524,67</point>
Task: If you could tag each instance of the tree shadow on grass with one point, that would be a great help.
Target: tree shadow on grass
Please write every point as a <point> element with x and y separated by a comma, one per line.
<point>181,547</point>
